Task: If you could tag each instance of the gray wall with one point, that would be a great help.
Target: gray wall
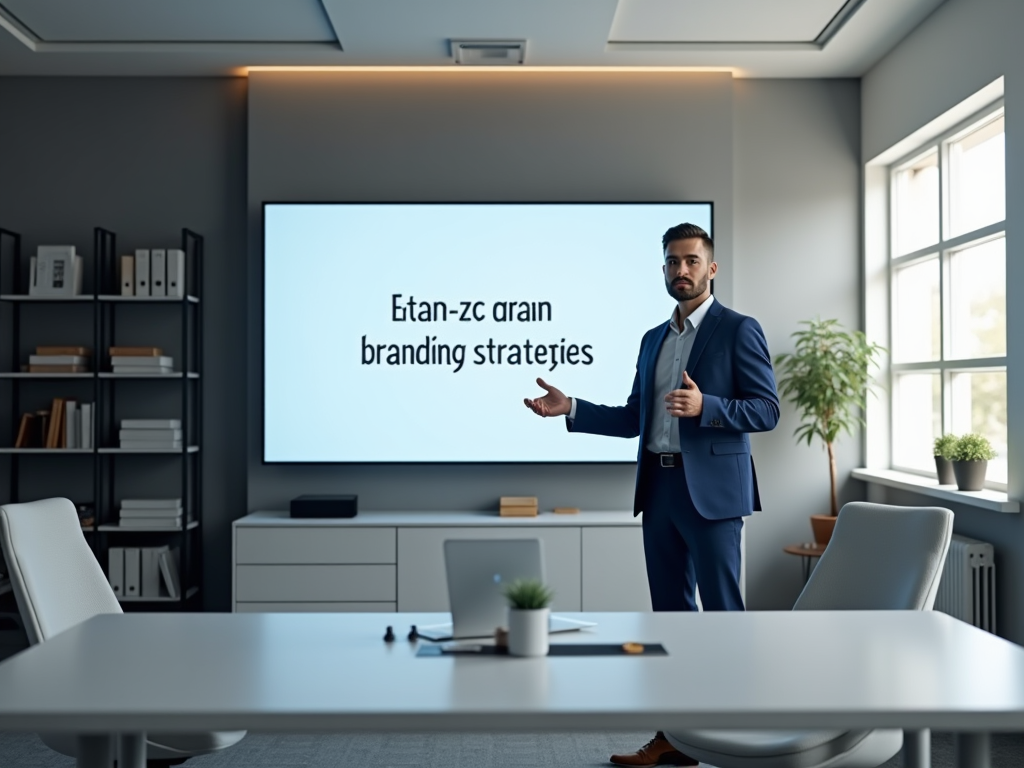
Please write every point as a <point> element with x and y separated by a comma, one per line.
<point>470,136</point>
<point>778,158</point>
<point>797,238</point>
<point>962,47</point>
<point>784,153</point>
<point>144,158</point>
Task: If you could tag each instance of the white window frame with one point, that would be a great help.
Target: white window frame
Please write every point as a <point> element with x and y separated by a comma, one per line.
<point>943,248</point>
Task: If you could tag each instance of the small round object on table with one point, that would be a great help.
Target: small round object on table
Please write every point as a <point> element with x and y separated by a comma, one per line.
<point>633,647</point>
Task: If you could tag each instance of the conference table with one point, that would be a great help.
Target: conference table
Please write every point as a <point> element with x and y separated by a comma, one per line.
<point>124,675</point>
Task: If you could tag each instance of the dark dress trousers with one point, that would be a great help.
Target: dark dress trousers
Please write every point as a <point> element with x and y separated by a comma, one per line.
<point>693,511</point>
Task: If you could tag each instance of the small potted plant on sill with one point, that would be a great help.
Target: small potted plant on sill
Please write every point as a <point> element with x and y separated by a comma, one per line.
<point>970,461</point>
<point>826,377</point>
<point>529,602</point>
<point>945,449</point>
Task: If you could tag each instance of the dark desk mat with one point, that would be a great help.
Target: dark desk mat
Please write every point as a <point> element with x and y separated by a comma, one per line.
<point>561,649</point>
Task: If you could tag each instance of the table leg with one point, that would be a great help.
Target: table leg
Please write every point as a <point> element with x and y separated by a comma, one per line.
<point>917,749</point>
<point>973,750</point>
<point>95,752</point>
<point>131,749</point>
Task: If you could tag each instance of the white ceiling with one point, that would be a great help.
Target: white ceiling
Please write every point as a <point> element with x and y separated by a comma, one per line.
<point>754,38</point>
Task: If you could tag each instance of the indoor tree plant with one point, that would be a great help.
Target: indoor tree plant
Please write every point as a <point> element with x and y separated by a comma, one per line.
<point>529,603</point>
<point>945,448</point>
<point>826,377</point>
<point>970,461</point>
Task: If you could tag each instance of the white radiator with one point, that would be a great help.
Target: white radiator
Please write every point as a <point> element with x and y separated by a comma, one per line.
<point>967,590</point>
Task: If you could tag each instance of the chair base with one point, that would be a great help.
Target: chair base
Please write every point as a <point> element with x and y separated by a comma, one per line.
<point>789,749</point>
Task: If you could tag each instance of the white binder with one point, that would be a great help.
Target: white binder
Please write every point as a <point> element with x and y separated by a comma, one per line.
<point>150,571</point>
<point>142,272</point>
<point>132,572</point>
<point>169,569</point>
<point>158,272</point>
<point>115,570</point>
<point>175,272</point>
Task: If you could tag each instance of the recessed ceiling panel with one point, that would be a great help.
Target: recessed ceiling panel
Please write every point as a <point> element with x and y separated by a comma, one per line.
<point>722,21</point>
<point>173,20</point>
<point>419,31</point>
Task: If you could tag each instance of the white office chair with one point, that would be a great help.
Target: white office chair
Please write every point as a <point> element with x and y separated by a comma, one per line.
<point>880,558</point>
<point>57,584</point>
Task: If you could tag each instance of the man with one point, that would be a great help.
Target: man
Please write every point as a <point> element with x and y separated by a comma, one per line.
<point>703,381</point>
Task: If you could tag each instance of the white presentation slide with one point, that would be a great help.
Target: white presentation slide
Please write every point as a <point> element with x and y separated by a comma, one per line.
<point>402,333</point>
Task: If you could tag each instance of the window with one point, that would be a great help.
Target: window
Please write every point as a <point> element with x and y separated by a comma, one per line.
<point>947,277</point>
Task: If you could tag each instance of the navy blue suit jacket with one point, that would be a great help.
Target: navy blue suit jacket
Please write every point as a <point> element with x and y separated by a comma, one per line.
<point>729,363</point>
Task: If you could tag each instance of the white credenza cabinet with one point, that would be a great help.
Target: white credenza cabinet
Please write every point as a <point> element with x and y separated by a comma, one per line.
<point>394,561</point>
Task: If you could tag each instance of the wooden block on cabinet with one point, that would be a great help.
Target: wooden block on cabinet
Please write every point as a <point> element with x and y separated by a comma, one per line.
<point>518,506</point>
<point>517,511</point>
<point>566,510</point>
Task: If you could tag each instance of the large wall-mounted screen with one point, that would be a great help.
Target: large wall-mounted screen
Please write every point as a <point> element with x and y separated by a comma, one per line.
<point>412,332</point>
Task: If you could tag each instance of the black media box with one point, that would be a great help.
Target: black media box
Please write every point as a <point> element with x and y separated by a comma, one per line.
<point>324,506</point>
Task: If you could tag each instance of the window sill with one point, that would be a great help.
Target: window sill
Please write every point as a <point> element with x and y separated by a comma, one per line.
<point>996,501</point>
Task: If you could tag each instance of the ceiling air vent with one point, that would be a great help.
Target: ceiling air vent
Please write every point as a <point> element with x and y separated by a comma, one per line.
<point>488,52</point>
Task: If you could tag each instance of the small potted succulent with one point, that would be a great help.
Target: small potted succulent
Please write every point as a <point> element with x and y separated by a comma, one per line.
<point>945,449</point>
<point>970,460</point>
<point>529,602</point>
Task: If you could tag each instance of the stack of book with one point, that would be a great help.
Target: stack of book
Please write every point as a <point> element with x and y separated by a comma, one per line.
<point>59,360</point>
<point>518,506</point>
<point>150,434</point>
<point>150,513</point>
<point>68,424</point>
<point>143,572</point>
<point>136,360</point>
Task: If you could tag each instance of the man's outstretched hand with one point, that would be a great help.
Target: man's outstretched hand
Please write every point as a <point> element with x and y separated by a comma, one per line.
<point>554,403</point>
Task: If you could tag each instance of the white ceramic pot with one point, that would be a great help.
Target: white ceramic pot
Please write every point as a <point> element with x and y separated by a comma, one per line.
<point>528,632</point>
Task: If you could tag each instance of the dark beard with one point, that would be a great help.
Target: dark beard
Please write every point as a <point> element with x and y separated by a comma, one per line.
<point>682,293</point>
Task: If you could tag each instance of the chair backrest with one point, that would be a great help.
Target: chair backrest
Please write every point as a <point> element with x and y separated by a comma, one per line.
<point>881,557</point>
<point>54,574</point>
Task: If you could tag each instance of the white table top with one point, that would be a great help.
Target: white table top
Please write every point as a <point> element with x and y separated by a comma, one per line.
<point>333,672</point>
<point>412,519</point>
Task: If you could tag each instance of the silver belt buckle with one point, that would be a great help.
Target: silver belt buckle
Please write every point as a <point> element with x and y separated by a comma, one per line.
<point>667,459</point>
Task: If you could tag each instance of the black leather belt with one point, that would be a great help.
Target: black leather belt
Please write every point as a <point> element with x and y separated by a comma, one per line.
<point>667,460</point>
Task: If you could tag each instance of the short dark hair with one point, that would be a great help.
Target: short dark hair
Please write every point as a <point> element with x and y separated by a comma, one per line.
<point>685,232</point>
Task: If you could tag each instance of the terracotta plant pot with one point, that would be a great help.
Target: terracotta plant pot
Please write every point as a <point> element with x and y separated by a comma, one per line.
<point>970,475</point>
<point>823,525</point>
<point>944,470</point>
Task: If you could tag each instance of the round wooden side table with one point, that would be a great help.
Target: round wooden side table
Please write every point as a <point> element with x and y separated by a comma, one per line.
<point>808,551</point>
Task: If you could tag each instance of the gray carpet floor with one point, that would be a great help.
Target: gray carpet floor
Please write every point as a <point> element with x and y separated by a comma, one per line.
<point>378,750</point>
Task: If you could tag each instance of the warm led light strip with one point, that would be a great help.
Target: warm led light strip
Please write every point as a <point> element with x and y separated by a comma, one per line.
<point>488,69</point>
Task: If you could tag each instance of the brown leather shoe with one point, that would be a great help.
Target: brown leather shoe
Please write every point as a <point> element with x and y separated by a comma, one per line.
<point>657,751</point>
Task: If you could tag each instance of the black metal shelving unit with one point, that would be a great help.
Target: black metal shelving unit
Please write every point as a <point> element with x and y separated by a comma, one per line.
<point>108,460</point>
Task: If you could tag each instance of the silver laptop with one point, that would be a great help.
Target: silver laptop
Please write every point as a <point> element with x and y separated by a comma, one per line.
<point>478,570</point>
